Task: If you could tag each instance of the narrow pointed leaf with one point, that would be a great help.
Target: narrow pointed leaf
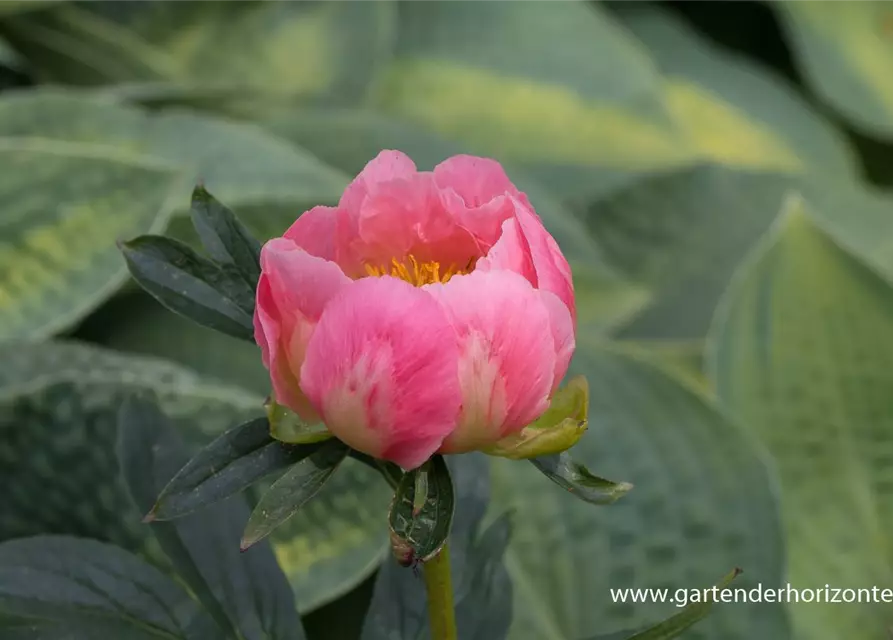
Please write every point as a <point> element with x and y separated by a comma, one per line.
<point>296,486</point>
<point>676,625</point>
<point>578,480</point>
<point>224,236</point>
<point>191,286</point>
<point>422,512</point>
<point>231,463</point>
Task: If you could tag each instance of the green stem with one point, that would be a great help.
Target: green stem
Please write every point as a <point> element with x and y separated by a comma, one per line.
<point>440,596</point>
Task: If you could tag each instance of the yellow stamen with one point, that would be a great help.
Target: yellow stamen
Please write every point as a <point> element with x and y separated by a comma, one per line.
<point>418,273</point>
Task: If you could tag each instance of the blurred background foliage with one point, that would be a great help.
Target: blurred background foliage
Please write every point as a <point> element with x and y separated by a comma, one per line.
<point>718,175</point>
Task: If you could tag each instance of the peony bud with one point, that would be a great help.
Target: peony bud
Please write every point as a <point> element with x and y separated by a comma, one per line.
<point>427,312</point>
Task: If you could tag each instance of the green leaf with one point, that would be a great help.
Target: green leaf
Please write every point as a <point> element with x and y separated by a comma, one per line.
<point>266,180</point>
<point>230,464</point>
<point>58,429</point>
<point>62,208</point>
<point>645,228</point>
<point>65,587</point>
<point>422,512</point>
<point>800,350</point>
<point>211,54</point>
<point>58,412</point>
<point>732,111</point>
<point>246,593</point>
<point>10,7</point>
<point>337,539</point>
<point>289,493</point>
<point>703,502</point>
<point>844,53</point>
<point>481,587</point>
<point>560,89</point>
<point>578,480</point>
<point>224,237</point>
<point>191,286</point>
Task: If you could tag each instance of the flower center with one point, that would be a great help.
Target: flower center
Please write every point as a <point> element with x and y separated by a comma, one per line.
<point>418,273</point>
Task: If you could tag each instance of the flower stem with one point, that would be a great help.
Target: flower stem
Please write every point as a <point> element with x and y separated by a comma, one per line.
<point>440,596</point>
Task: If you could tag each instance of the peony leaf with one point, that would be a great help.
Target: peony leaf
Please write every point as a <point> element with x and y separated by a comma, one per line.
<point>231,463</point>
<point>579,481</point>
<point>290,492</point>
<point>224,236</point>
<point>191,286</point>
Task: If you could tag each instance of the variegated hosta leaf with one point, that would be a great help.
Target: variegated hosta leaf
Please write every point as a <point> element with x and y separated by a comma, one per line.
<point>801,352</point>
<point>63,207</point>
<point>733,112</point>
<point>58,406</point>
<point>214,54</point>
<point>844,50</point>
<point>238,163</point>
<point>560,88</point>
<point>702,502</point>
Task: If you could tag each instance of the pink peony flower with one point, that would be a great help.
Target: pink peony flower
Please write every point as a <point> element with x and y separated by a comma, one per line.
<point>428,312</point>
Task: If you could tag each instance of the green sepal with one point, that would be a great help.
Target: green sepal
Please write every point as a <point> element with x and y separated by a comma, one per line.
<point>286,426</point>
<point>556,431</point>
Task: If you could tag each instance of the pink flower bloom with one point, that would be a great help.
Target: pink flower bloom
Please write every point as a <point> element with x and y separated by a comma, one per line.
<point>428,312</point>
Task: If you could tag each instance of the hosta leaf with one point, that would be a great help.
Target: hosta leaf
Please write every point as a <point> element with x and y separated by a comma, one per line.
<point>645,228</point>
<point>481,588</point>
<point>64,587</point>
<point>228,465</point>
<point>240,164</point>
<point>224,236</point>
<point>422,512</point>
<point>266,51</point>
<point>246,593</point>
<point>57,435</point>
<point>844,52</point>
<point>295,487</point>
<point>62,208</point>
<point>559,88</point>
<point>703,502</point>
<point>184,282</point>
<point>9,7</point>
<point>733,112</point>
<point>800,351</point>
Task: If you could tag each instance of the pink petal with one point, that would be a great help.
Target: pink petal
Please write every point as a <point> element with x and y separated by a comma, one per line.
<point>552,270</point>
<point>314,232</point>
<point>293,290</point>
<point>476,180</point>
<point>510,253</point>
<point>387,165</point>
<point>381,370</point>
<point>406,216</point>
<point>562,327</point>
<point>507,355</point>
<point>474,190</point>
